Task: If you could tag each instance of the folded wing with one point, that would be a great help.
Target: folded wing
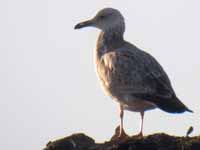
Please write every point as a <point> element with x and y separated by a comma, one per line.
<point>137,73</point>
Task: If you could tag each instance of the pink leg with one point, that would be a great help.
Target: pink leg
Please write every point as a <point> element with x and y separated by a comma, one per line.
<point>141,127</point>
<point>121,115</point>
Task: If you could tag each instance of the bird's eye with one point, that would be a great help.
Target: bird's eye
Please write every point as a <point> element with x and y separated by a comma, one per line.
<point>102,16</point>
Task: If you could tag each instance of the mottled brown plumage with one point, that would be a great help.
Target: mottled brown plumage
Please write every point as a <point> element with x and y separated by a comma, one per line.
<point>132,77</point>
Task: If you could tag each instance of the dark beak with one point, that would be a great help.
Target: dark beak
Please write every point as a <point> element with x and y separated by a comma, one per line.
<point>84,24</point>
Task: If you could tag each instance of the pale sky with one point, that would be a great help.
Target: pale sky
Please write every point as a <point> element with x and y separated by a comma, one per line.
<point>48,86</point>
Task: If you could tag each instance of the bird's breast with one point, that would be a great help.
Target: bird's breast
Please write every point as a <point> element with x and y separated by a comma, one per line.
<point>103,67</point>
<point>103,72</point>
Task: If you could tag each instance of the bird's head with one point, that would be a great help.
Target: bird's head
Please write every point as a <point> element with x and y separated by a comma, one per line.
<point>106,19</point>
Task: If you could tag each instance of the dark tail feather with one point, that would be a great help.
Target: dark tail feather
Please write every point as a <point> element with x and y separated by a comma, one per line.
<point>171,105</point>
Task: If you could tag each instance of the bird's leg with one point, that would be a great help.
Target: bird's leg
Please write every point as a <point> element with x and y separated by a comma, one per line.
<point>141,127</point>
<point>122,133</point>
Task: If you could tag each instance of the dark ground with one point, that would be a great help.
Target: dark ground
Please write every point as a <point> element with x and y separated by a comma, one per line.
<point>159,141</point>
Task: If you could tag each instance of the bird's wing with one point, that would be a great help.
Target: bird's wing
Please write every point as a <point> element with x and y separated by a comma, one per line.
<point>137,73</point>
<point>134,72</point>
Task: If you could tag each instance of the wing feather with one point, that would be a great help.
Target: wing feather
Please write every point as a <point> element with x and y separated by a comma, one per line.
<point>135,72</point>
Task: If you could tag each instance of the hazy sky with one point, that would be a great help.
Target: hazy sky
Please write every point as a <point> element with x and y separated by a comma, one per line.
<point>48,86</point>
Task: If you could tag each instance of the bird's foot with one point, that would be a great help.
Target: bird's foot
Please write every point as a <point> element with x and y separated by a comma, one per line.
<point>119,137</point>
<point>123,136</point>
<point>138,136</point>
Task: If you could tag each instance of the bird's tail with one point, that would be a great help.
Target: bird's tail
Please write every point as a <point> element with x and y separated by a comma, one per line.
<point>173,105</point>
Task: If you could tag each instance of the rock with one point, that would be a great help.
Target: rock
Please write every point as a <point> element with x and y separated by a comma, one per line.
<point>158,141</point>
<point>73,142</point>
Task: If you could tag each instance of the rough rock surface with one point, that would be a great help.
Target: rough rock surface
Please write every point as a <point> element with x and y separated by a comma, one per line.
<point>159,141</point>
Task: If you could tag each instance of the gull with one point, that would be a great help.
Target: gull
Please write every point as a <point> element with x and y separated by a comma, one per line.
<point>129,75</point>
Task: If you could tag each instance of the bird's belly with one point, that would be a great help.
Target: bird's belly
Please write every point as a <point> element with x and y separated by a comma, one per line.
<point>137,105</point>
<point>128,102</point>
<point>107,90</point>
